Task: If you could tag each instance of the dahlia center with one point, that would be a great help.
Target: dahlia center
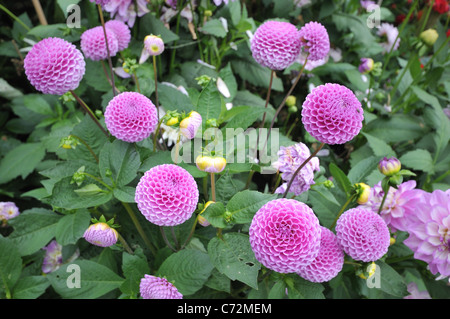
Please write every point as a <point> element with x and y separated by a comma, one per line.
<point>284,230</point>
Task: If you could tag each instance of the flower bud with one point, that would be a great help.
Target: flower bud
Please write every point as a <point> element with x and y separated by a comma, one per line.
<point>69,142</point>
<point>291,101</point>
<point>190,125</point>
<point>210,164</point>
<point>363,193</point>
<point>101,234</point>
<point>389,167</point>
<point>366,65</point>
<point>172,121</point>
<point>429,37</point>
<point>154,44</point>
<point>202,220</point>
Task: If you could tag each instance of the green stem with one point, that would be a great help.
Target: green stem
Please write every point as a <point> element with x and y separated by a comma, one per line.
<point>249,179</point>
<point>139,227</point>
<point>398,259</point>
<point>382,201</point>
<point>426,17</point>
<point>13,16</point>
<point>280,107</point>
<point>191,233</point>
<point>137,82</point>
<point>177,30</point>
<point>125,245</point>
<point>98,180</point>
<point>102,20</point>
<point>172,231</point>
<point>300,167</point>
<point>155,135</point>
<point>394,89</point>
<point>213,187</point>
<point>349,200</point>
<point>156,84</point>
<point>163,234</point>
<point>89,112</point>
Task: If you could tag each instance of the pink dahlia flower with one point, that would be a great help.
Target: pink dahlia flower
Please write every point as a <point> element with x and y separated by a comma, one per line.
<point>152,287</point>
<point>93,43</point>
<point>275,44</point>
<point>329,261</point>
<point>54,66</point>
<point>101,234</point>
<point>285,235</point>
<point>100,2</point>
<point>388,33</point>
<point>332,114</point>
<point>415,293</point>
<point>125,10</point>
<point>8,210</point>
<point>131,117</point>
<point>398,205</point>
<point>363,234</point>
<point>289,159</point>
<point>315,40</point>
<point>122,32</point>
<point>429,232</point>
<point>167,195</point>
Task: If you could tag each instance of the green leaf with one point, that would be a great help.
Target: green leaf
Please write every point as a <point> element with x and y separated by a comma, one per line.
<point>378,146</point>
<point>155,159</point>
<point>303,289</point>
<point>125,194</point>
<point>71,227</point>
<point>214,213</point>
<point>95,280</point>
<point>391,281</point>
<point>362,169</point>
<point>246,118</point>
<point>256,74</point>
<point>30,287</point>
<point>209,103</point>
<point>226,187</point>
<point>342,180</point>
<point>418,159</point>
<point>233,256</point>
<point>33,229</point>
<point>122,159</point>
<point>152,25</point>
<point>88,190</point>
<point>214,27</point>
<point>10,264</point>
<point>21,161</point>
<point>134,268</point>
<point>174,100</point>
<point>398,128</point>
<point>243,206</point>
<point>323,204</point>
<point>187,269</point>
<point>38,104</point>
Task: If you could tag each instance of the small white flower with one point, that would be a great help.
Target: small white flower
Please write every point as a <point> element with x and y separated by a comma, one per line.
<point>206,64</point>
<point>223,88</point>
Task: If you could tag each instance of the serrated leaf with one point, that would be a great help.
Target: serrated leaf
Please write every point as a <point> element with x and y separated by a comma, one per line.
<point>21,161</point>
<point>187,269</point>
<point>378,146</point>
<point>232,255</point>
<point>209,103</point>
<point>339,176</point>
<point>303,289</point>
<point>30,287</point>
<point>33,229</point>
<point>10,263</point>
<point>243,205</point>
<point>418,159</point>
<point>71,227</point>
<point>95,280</point>
<point>214,213</point>
<point>214,27</point>
<point>134,268</point>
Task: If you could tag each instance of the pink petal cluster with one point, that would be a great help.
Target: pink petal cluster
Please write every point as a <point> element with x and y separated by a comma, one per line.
<point>285,235</point>
<point>152,287</point>
<point>275,44</point>
<point>101,234</point>
<point>362,234</point>
<point>167,195</point>
<point>289,159</point>
<point>332,114</point>
<point>329,261</point>
<point>398,205</point>
<point>154,45</point>
<point>125,10</point>
<point>414,292</point>
<point>190,125</point>
<point>121,31</point>
<point>8,210</point>
<point>131,117</point>
<point>429,231</point>
<point>315,40</point>
<point>54,66</point>
<point>101,2</point>
<point>93,43</point>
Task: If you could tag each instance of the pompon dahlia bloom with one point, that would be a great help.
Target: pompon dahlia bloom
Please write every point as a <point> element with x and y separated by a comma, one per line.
<point>54,66</point>
<point>275,44</point>
<point>125,10</point>
<point>388,32</point>
<point>285,235</point>
<point>332,114</point>
<point>167,195</point>
<point>101,234</point>
<point>329,261</point>
<point>152,287</point>
<point>429,232</point>
<point>363,234</point>
<point>315,40</point>
<point>93,43</point>
<point>122,32</point>
<point>8,210</point>
<point>398,205</point>
<point>289,159</point>
<point>131,117</point>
